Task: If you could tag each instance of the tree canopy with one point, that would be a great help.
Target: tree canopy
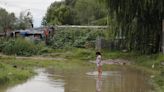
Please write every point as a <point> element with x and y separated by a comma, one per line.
<point>139,21</point>
<point>6,20</point>
<point>24,21</point>
<point>59,13</point>
<point>74,12</point>
<point>9,21</point>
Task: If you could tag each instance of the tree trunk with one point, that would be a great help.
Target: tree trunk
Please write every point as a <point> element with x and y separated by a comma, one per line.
<point>163,36</point>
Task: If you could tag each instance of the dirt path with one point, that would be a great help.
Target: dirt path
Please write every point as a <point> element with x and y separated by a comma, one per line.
<point>32,57</point>
<point>39,58</point>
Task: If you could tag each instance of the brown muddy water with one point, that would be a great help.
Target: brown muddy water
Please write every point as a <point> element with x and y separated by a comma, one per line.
<point>84,80</point>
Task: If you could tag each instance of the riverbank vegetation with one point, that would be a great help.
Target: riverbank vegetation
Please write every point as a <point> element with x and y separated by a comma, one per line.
<point>20,47</point>
<point>10,74</point>
<point>72,59</point>
<point>13,69</point>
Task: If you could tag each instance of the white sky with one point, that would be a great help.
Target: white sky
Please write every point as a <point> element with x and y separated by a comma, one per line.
<point>38,8</point>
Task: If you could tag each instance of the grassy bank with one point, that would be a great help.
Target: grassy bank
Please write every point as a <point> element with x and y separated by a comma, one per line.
<point>13,70</point>
<point>10,74</point>
<point>71,59</point>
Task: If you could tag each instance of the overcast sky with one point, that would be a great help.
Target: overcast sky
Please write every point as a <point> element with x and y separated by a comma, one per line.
<point>38,8</point>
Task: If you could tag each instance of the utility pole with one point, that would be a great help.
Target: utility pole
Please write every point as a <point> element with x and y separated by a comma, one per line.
<point>163,36</point>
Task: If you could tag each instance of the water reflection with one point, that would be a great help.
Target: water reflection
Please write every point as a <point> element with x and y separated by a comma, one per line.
<point>99,83</point>
<point>40,83</point>
<point>80,80</point>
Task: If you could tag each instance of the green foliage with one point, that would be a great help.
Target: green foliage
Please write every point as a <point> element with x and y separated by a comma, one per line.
<point>7,20</point>
<point>159,80</point>
<point>24,21</point>
<point>9,74</point>
<point>59,13</point>
<point>10,22</point>
<point>20,47</point>
<point>102,21</point>
<point>140,23</point>
<point>84,54</point>
<point>74,12</point>
<point>79,38</point>
<point>76,53</point>
<point>89,11</point>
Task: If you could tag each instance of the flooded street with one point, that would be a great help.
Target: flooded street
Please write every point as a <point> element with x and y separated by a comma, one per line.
<point>84,80</point>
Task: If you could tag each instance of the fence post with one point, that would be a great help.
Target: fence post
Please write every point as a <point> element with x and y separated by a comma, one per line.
<point>163,36</point>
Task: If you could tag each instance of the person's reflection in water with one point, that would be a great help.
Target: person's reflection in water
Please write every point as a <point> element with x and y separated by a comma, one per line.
<point>99,83</point>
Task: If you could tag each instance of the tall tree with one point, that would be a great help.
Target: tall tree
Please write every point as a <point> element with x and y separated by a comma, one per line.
<point>25,20</point>
<point>140,22</point>
<point>74,12</point>
<point>59,14</point>
<point>7,20</point>
<point>89,10</point>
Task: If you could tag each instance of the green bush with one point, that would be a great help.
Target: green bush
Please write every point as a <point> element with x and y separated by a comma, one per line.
<point>20,47</point>
<point>75,38</point>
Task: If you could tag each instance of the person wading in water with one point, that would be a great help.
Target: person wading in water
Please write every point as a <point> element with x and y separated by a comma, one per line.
<point>99,63</point>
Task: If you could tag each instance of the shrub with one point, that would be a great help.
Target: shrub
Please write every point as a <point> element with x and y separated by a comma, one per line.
<point>21,47</point>
<point>79,38</point>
